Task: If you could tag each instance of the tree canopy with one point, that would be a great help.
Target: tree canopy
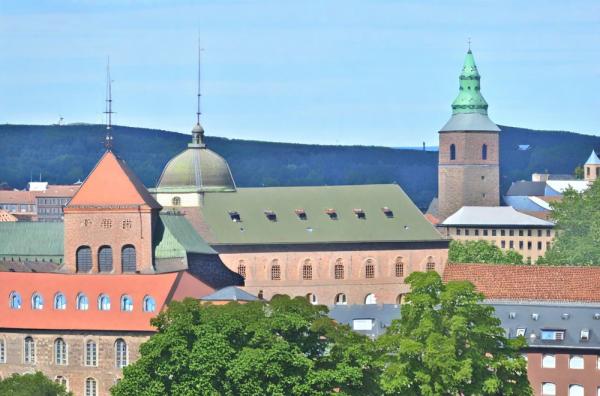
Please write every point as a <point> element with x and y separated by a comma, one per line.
<point>481,252</point>
<point>448,343</point>
<point>577,218</point>
<point>284,347</point>
<point>31,385</point>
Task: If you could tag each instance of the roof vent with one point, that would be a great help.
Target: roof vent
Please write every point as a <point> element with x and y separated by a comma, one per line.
<point>360,213</point>
<point>584,335</point>
<point>597,316</point>
<point>535,316</point>
<point>387,212</point>
<point>512,315</point>
<point>271,215</point>
<point>301,213</point>
<point>235,216</point>
<point>565,316</point>
<point>332,214</point>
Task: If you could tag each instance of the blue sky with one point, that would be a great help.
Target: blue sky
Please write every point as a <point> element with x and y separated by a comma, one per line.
<point>330,72</point>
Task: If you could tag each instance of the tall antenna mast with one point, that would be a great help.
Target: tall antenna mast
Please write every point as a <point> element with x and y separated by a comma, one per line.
<point>200,49</point>
<point>108,139</point>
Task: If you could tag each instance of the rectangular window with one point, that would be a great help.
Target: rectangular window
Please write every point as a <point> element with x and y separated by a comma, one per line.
<point>476,232</point>
<point>91,354</point>
<point>520,232</point>
<point>502,232</point>
<point>511,232</point>
<point>503,244</point>
<point>529,245</point>
<point>521,245</point>
<point>539,245</point>
<point>539,233</point>
<point>485,232</point>
<point>548,233</point>
<point>458,231</point>
<point>2,352</point>
<point>528,232</point>
<point>511,244</point>
<point>466,232</point>
<point>493,232</point>
<point>553,335</point>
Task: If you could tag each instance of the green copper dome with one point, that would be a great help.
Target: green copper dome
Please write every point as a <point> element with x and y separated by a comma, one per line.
<point>196,169</point>
<point>469,99</point>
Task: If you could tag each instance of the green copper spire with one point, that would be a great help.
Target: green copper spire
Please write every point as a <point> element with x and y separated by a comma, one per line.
<point>469,99</point>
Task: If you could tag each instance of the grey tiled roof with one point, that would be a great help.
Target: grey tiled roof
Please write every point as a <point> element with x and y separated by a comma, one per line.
<point>470,122</point>
<point>493,216</point>
<point>526,188</point>
<point>230,293</point>
<point>382,316</point>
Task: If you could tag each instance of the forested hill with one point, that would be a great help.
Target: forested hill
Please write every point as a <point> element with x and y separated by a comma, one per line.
<point>65,154</point>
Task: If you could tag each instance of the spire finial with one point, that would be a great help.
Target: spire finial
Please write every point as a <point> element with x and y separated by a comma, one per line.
<point>108,140</point>
<point>469,42</point>
<point>200,49</point>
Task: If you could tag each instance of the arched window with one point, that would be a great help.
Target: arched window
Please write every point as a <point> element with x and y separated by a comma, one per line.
<point>2,351</point>
<point>60,351</point>
<point>399,268</point>
<point>312,298</point>
<point>120,353</point>
<point>128,263</point>
<point>103,302</point>
<point>275,271</point>
<point>430,264</point>
<point>60,301</point>
<point>400,299</point>
<point>105,259</point>
<point>307,270</point>
<point>149,304</point>
<point>452,152</point>
<point>15,300</point>
<point>176,201</point>
<point>484,152</point>
<point>338,269</point>
<point>37,301</point>
<point>370,299</point>
<point>29,351</point>
<point>83,260</point>
<point>369,269</point>
<point>59,379</point>
<point>91,354</point>
<point>242,269</point>
<point>576,362</point>
<point>91,387</point>
<point>126,304</point>
<point>82,302</point>
<point>548,388</point>
<point>576,390</point>
<point>340,299</point>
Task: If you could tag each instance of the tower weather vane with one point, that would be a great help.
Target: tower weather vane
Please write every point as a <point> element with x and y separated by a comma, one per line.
<point>108,139</point>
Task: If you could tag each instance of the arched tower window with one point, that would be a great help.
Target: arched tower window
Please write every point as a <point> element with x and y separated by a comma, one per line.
<point>369,269</point>
<point>242,269</point>
<point>399,268</point>
<point>15,300</point>
<point>370,299</point>
<point>149,304</point>
<point>82,302</point>
<point>83,260</point>
<point>128,263</point>
<point>126,304</point>
<point>103,303</point>
<point>29,351</point>
<point>452,152</point>
<point>37,301</point>
<point>484,152</point>
<point>105,259</point>
<point>307,270</point>
<point>338,270</point>
<point>275,270</point>
<point>60,301</point>
<point>176,201</point>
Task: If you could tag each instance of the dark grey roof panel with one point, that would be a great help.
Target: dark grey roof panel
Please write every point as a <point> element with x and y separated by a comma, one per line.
<point>527,188</point>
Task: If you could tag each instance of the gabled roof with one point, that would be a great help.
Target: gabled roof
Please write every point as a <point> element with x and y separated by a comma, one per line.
<point>270,215</point>
<point>6,217</point>
<point>112,183</point>
<point>161,287</point>
<point>230,293</point>
<point>526,188</point>
<point>493,216</point>
<point>529,282</point>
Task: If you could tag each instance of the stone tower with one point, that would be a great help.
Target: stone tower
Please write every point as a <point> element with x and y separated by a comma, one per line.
<point>592,168</point>
<point>469,149</point>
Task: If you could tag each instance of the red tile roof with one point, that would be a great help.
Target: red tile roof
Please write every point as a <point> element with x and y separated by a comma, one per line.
<point>17,197</point>
<point>529,282</point>
<point>112,183</point>
<point>57,190</point>
<point>161,287</point>
<point>5,216</point>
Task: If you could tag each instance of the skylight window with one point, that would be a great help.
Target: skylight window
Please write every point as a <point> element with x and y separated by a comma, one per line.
<point>271,215</point>
<point>387,212</point>
<point>360,214</point>
<point>332,214</point>
<point>301,213</point>
<point>235,216</point>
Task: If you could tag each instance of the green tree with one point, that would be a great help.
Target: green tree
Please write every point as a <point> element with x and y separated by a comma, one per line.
<point>284,347</point>
<point>481,252</point>
<point>577,218</point>
<point>31,385</point>
<point>448,343</point>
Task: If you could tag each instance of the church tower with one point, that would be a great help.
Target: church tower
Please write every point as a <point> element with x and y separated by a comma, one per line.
<point>469,149</point>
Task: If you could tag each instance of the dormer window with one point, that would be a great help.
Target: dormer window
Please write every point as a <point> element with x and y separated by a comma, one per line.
<point>584,335</point>
<point>301,213</point>
<point>360,214</point>
<point>553,335</point>
<point>521,332</point>
<point>332,214</point>
<point>271,215</point>
<point>535,316</point>
<point>387,212</point>
<point>235,216</point>
<point>565,316</point>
